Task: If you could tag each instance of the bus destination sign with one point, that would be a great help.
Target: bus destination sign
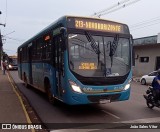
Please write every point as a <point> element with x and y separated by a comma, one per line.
<point>97,25</point>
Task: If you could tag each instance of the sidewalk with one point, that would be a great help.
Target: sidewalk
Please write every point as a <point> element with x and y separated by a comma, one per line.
<point>11,110</point>
<point>136,79</point>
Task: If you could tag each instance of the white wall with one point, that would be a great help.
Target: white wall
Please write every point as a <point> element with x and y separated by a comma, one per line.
<point>151,51</point>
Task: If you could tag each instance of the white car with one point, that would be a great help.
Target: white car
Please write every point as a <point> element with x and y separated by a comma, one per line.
<point>147,79</point>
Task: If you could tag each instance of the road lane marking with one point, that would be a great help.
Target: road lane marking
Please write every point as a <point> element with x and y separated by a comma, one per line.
<point>110,114</point>
<point>145,120</point>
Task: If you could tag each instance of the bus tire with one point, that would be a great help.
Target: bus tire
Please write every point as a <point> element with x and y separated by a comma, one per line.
<point>51,98</point>
<point>25,81</point>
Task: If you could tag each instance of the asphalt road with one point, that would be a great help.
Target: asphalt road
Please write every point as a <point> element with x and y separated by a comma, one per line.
<point>132,111</point>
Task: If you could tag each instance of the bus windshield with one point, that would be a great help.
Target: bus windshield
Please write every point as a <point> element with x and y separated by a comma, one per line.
<point>99,56</point>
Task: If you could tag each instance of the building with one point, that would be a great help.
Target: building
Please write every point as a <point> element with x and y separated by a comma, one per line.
<point>147,55</point>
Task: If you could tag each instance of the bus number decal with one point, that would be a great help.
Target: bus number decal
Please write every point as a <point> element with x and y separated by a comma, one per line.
<point>87,66</point>
<point>79,24</point>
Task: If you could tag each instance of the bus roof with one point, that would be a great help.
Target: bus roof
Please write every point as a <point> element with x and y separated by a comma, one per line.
<point>62,21</point>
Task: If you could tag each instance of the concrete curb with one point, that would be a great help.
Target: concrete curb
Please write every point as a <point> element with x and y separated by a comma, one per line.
<point>136,79</point>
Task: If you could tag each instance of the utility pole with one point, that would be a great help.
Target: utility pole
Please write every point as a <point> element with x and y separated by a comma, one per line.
<point>0,47</point>
<point>1,44</point>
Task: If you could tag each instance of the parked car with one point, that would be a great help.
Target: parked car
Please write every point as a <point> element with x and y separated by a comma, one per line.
<point>147,79</point>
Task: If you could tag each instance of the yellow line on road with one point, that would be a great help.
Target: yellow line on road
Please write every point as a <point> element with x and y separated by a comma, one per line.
<point>20,99</point>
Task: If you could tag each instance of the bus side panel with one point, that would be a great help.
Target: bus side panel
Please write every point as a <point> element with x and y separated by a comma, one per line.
<point>34,74</point>
<point>24,70</point>
<point>19,71</point>
<point>49,72</point>
<point>20,64</point>
<point>40,72</point>
<point>39,75</point>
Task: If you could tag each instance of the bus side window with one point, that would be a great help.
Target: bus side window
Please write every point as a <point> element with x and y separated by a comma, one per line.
<point>24,55</point>
<point>34,50</point>
<point>47,48</point>
<point>55,42</point>
<point>39,48</point>
<point>54,51</point>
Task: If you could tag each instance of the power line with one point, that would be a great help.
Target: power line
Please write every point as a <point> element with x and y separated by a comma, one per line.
<point>6,36</point>
<point>8,33</point>
<point>144,26</point>
<point>123,6</point>
<point>145,22</point>
<point>115,7</point>
<point>9,50</point>
<point>14,39</point>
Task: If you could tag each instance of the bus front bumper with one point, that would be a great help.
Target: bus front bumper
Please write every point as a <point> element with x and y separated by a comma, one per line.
<point>77,99</point>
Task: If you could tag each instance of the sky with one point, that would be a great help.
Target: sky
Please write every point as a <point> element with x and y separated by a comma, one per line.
<point>25,18</point>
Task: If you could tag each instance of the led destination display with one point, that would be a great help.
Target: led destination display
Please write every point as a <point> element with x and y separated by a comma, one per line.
<point>97,25</point>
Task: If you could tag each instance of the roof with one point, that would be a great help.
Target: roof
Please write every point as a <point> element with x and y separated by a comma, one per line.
<point>150,40</point>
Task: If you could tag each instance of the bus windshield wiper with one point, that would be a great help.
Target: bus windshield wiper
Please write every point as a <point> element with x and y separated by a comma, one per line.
<point>94,46</point>
<point>113,47</point>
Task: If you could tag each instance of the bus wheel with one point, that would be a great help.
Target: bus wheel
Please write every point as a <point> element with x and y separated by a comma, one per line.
<point>25,81</point>
<point>51,99</point>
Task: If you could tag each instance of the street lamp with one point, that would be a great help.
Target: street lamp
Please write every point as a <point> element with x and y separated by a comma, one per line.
<point>1,23</point>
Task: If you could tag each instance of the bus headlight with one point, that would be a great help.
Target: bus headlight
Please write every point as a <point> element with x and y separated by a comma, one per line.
<point>127,86</point>
<point>75,87</point>
<point>10,66</point>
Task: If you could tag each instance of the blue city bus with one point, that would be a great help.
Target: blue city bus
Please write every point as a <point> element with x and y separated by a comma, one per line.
<point>79,60</point>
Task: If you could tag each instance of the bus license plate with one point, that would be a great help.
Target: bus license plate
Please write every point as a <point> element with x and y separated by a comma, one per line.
<point>104,101</point>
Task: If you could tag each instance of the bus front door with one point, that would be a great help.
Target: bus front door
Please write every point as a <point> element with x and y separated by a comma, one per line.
<point>58,64</point>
